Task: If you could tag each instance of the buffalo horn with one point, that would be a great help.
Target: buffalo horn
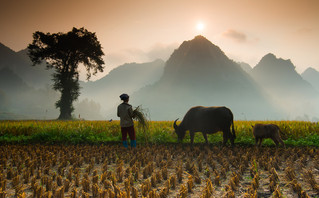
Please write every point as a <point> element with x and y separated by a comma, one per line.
<point>175,125</point>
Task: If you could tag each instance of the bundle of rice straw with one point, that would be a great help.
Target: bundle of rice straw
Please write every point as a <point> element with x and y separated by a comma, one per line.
<point>140,116</point>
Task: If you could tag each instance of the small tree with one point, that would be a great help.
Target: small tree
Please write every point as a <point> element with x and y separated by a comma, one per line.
<point>64,52</point>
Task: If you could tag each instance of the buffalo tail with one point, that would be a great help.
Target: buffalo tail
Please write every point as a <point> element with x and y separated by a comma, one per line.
<point>233,129</point>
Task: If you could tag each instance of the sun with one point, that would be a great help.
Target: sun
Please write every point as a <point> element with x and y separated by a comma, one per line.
<point>200,26</point>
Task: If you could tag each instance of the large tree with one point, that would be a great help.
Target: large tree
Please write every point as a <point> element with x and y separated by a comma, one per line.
<point>64,52</point>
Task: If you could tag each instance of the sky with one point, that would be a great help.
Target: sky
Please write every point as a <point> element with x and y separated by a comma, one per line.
<point>144,30</point>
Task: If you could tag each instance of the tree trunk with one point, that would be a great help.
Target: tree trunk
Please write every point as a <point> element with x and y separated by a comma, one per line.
<point>65,105</point>
<point>64,115</point>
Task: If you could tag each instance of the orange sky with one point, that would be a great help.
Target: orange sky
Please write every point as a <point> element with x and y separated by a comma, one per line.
<point>142,30</point>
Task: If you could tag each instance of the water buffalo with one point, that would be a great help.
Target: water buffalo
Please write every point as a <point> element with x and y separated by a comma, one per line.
<point>262,131</point>
<point>207,120</point>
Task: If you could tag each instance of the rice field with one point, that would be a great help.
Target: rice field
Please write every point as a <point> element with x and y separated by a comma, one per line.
<point>157,171</point>
<point>95,132</point>
<point>86,159</point>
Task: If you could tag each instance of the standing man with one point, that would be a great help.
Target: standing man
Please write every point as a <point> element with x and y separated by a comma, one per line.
<point>125,112</point>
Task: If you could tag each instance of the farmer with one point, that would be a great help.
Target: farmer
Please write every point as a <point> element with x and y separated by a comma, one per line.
<point>125,112</point>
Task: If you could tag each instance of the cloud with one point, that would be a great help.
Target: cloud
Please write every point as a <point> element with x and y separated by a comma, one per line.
<point>304,31</point>
<point>157,51</point>
<point>235,36</point>
<point>116,58</point>
<point>161,51</point>
<point>126,56</point>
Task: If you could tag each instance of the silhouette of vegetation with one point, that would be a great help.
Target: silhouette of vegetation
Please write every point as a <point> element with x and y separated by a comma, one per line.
<point>64,52</point>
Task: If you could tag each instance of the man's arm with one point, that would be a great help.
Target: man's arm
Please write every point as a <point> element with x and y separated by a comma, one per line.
<point>118,113</point>
<point>130,112</point>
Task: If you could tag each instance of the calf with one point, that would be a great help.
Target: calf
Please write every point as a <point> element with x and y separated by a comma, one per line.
<point>262,131</point>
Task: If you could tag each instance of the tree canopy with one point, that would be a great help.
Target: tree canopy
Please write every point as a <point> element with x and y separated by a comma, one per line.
<point>64,52</point>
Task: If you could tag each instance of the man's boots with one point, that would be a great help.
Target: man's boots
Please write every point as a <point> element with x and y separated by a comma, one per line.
<point>125,144</point>
<point>133,143</point>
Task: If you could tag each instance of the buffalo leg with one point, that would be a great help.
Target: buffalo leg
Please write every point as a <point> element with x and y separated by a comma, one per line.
<point>205,137</point>
<point>256,140</point>
<point>230,136</point>
<point>225,138</point>
<point>232,141</point>
<point>282,142</point>
<point>279,139</point>
<point>275,140</point>
<point>192,134</point>
<point>260,141</point>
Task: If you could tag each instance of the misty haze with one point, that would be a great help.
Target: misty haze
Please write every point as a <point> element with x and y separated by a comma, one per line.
<point>196,73</point>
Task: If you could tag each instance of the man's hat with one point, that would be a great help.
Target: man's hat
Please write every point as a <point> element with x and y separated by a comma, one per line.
<point>124,96</point>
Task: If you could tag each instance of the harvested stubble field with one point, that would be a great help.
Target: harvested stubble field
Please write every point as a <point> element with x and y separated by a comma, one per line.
<point>158,170</point>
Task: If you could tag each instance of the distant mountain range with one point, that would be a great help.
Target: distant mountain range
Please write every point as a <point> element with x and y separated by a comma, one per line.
<point>246,67</point>
<point>197,73</point>
<point>312,76</point>
<point>286,87</point>
<point>279,77</point>
<point>19,62</point>
<point>21,101</point>
<point>26,92</point>
<point>127,78</point>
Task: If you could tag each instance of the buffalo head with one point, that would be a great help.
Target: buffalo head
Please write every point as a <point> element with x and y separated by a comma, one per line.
<point>179,131</point>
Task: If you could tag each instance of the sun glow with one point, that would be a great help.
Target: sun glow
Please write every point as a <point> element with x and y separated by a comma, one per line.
<point>200,26</point>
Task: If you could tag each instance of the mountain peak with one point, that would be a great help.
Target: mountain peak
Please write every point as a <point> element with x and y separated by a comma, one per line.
<point>202,41</point>
<point>195,53</point>
<point>202,61</point>
<point>279,76</point>
<point>271,62</point>
<point>270,56</point>
<point>310,70</point>
<point>199,73</point>
<point>312,76</point>
<point>193,57</point>
<point>200,37</point>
